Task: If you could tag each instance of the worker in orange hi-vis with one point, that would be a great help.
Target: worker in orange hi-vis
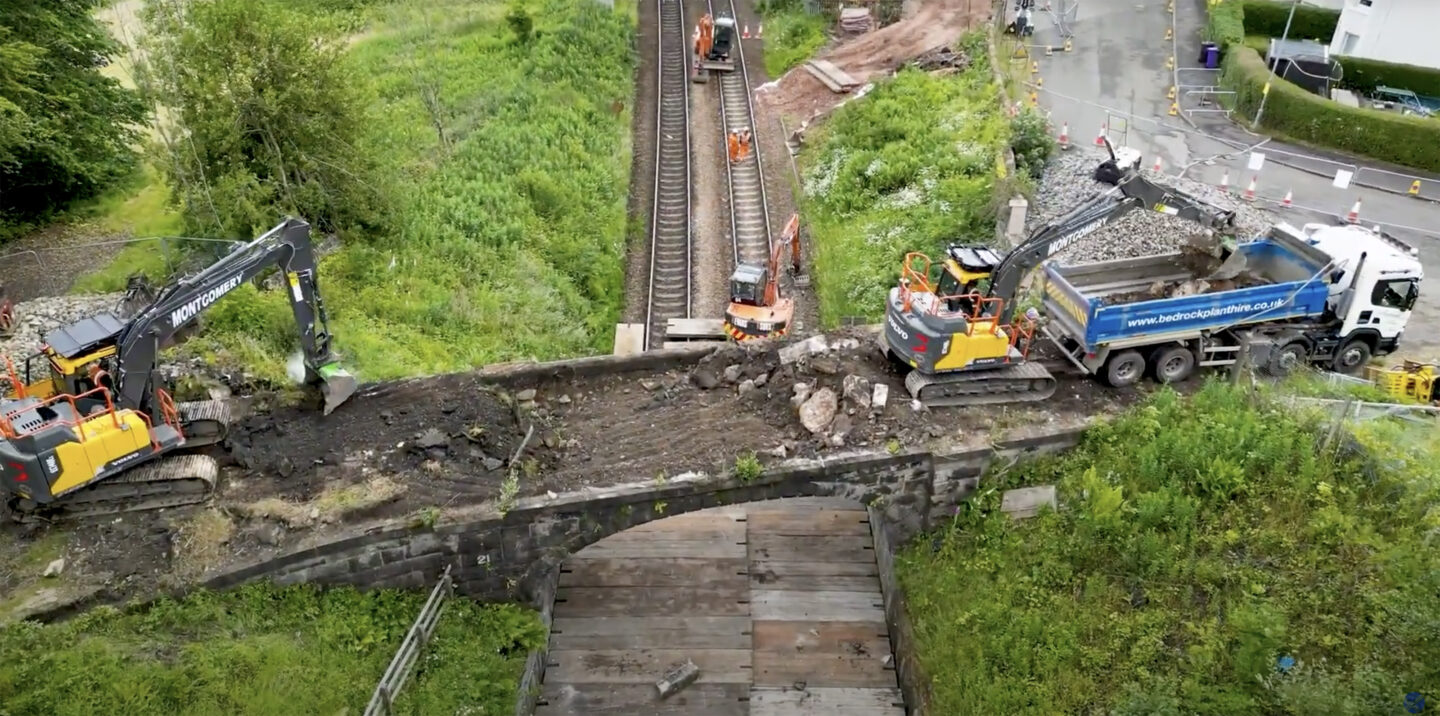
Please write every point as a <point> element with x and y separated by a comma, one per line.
<point>744,144</point>
<point>733,142</point>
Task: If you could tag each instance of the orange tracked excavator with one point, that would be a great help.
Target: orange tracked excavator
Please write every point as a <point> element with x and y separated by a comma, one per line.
<point>757,310</point>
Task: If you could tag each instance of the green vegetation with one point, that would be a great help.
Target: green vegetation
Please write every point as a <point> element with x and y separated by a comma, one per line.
<point>747,467</point>
<point>913,166</point>
<point>65,129</point>
<point>1296,114</point>
<point>1201,541</point>
<point>264,650</point>
<point>1268,17</point>
<point>487,219</point>
<point>1292,113</point>
<point>793,35</point>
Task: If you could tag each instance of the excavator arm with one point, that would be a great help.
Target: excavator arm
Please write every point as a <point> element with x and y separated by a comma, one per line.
<point>1133,192</point>
<point>287,246</point>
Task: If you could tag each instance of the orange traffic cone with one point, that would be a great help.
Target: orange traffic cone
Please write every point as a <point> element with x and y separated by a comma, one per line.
<point>1100,138</point>
<point>760,31</point>
<point>1064,136</point>
<point>1289,197</point>
<point>1225,181</point>
<point>1250,190</point>
<point>1157,168</point>
<point>745,35</point>
<point>1354,215</point>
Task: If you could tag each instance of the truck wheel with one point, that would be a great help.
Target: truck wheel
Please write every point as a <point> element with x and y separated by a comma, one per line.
<point>1352,357</point>
<point>1284,361</point>
<point>1124,369</point>
<point>1173,365</point>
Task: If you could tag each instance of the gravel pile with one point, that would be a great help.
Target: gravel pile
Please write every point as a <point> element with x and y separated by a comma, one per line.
<point>1067,184</point>
<point>35,318</point>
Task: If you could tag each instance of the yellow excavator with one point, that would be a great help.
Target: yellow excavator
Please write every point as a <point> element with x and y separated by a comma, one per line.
<point>87,425</point>
<point>951,323</point>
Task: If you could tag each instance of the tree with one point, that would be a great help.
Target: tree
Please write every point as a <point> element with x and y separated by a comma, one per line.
<point>65,129</point>
<point>266,113</point>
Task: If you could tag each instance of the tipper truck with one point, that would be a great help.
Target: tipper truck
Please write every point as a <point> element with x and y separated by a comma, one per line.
<point>1321,294</point>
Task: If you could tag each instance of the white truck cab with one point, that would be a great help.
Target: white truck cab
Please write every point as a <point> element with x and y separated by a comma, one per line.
<point>1375,281</point>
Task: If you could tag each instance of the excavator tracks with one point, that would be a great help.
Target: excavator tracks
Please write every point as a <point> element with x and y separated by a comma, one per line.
<point>1017,383</point>
<point>205,422</point>
<point>167,482</point>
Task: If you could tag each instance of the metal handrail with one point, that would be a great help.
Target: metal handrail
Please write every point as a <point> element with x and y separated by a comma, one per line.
<point>398,672</point>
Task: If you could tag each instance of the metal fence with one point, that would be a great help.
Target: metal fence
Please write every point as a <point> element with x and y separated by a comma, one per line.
<point>381,703</point>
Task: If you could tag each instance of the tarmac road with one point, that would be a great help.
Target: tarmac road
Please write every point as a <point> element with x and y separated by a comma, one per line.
<point>1116,76</point>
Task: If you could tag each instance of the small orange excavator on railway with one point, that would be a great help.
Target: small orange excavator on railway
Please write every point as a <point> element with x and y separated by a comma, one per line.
<point>714,39</point>
<point>757,310</point>
<point>7,315</point>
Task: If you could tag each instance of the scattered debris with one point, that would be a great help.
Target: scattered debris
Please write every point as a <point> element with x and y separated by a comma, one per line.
<point>818,411</point>
<point>944,59</point>
<point>54,568</point>
<point>677,678</point>
<point>856,21</point>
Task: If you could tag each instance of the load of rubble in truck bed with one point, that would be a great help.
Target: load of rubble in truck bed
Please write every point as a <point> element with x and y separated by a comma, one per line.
<point>1179,275</point>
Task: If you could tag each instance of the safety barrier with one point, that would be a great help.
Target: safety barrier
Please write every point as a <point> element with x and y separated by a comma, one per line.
<point>382,702</point>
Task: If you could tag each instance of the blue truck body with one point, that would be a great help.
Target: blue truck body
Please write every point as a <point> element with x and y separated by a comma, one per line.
<point>1076,297</point>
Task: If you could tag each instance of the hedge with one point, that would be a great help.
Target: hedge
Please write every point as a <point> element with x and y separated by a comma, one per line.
<point>1364,76</point>
<point>1266,17</point>
<point>1300,115</point>
<point>1226,26</point>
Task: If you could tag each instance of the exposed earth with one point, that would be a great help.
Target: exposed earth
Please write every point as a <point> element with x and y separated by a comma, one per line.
<point>419,448</point>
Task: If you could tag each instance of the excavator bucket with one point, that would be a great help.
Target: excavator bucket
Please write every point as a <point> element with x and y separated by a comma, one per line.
<point>336,385</point>
<point>1225,262</point>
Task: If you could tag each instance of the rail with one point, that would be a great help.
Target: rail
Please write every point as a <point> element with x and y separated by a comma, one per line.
<point>749,207</point>
<point>383,701</point>
<point>669,292</point>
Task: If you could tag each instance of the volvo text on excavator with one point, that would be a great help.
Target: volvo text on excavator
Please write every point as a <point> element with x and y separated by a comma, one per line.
<point>757,310</point>
<point>953,329</point>
<point>91,429</point>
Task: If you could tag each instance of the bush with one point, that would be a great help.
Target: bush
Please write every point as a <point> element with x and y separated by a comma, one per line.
<point>1300,115</point>
<point>1364,76</point>
<point>1200,540</point>
<point>1266,17</point>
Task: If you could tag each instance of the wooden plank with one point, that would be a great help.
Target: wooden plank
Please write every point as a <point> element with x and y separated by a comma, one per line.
<point>813,701</point>
<point>652,601</point>
<point>824,78</point>
<point>840,638</point>
<point>644,666</point>
<point>837,75</point>
<point>650,632</point>
<point>642,700</point>
<point>822,670</point>
<point>694,328</point>
<point>664,549</point>
<point>815,576</point>
<point>797,523</point>
<point>629,339</point>
<point>710,518</point>
<point>811,548</point>
<point>816,606</point>
<point>725,573</point>
<point>687,533</point>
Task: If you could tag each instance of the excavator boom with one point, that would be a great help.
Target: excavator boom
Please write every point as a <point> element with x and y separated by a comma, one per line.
<point>96,437</point>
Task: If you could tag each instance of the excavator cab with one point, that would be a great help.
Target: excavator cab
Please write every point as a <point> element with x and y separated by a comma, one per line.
<point>723,39</point>
<point>966,272</point>
<point>757,310</point>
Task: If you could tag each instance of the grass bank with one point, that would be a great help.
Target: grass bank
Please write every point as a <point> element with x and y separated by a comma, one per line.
<point>509,238</point>
<point>792,35</point>
<point>1214,555</point>
<point>507,188</point>
<point>910,167</point>
<point>264,650</point>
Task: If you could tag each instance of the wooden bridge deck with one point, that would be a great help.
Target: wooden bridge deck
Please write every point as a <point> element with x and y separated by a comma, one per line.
<point>778,603</point>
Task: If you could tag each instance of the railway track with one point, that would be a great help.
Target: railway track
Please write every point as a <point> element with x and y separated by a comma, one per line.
<point>670,246</point>
<point>749,208</point>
